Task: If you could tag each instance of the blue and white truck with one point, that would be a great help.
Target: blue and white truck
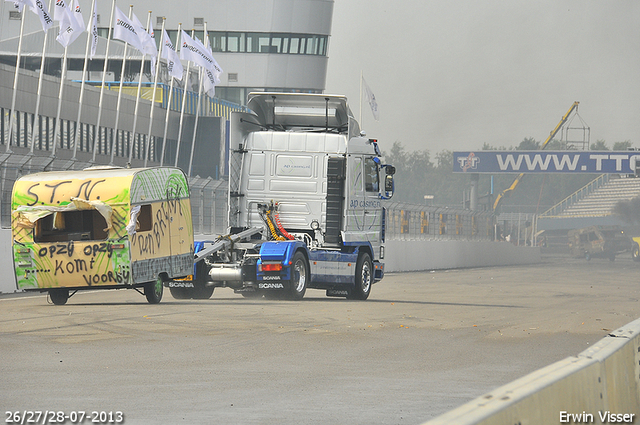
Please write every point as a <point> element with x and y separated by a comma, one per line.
<point>305,204</point>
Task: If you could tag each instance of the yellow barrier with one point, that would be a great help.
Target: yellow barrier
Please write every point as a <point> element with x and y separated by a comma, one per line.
<point>600,385</point>
<point>145,92</point>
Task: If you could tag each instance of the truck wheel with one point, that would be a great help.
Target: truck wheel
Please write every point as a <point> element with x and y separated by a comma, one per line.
<point>299,276</point>
<point>364,278</point>
<point>59,296</point>
<point>179,293</point>
<point>635,252</point>
<point>202,292</point>
<point>153,291</point>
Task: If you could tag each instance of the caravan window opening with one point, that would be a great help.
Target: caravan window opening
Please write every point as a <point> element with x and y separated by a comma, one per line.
<point>145,221</point>
<point>86,225</point>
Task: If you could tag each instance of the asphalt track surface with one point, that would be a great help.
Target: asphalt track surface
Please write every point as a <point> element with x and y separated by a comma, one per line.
<point>422,344</point>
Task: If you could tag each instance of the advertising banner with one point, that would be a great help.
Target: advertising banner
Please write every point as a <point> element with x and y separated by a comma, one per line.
<point>496,162</point>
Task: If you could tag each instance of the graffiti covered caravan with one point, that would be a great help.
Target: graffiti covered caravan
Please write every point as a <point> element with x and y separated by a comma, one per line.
<point>101,228</point>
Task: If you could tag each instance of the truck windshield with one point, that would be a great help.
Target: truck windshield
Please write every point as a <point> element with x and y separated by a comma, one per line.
<point>71,226</point>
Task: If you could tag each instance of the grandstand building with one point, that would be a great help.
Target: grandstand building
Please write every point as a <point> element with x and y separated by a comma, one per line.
<point>275,45</point>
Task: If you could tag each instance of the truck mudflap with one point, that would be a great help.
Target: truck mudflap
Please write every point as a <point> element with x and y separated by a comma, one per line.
<point>378,271</point>
<point>273,271</point>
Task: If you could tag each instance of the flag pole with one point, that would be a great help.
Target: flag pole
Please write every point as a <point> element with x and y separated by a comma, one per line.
<point>195,126</point>
<point>166,119</point>
<point>15,83</point>
<point>56,122</point>
<point>104,76</point>
<point>360,118</point>
<point>135,111</point>
<point>153,97</point>
<point>184,100</point>
<point>39,91</point>
<point>84,73</point>
<point>114,145</point>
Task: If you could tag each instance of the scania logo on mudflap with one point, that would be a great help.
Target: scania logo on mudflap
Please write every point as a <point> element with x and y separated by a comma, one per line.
<point>270,277</point>
<point>174,284</point>
<point>270,286</point>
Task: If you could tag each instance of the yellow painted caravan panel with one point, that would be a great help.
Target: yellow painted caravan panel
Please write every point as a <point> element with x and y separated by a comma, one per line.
<point>77,229</point>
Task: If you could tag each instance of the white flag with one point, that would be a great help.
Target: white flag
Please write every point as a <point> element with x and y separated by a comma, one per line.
<point>154,55</point>
<point>94,29</point>
<point>174,66</point>
<point>125,30</point>
<point>148,43</point>
<point>209,82</point>
<point>39,8</point>
<point>71,25</point>
<point>59,10</point>
<point>147,40</point>
<point>217,70</point>
<point>194,51</point>
<point>371,100</point>
<point>212,76</point>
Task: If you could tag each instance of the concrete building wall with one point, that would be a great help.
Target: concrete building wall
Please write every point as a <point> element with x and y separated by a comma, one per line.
<point>416,255</point>
<point>280,71</point>
<point>299,16</point>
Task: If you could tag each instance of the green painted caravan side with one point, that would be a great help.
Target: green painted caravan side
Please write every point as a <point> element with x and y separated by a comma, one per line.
<point>78,229</point>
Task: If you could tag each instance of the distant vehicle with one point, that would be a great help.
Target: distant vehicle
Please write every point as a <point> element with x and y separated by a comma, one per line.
<point>599,241</point>
<point>635,249</point>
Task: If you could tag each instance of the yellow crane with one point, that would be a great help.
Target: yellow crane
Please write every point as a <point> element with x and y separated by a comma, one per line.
<point>508,190</point>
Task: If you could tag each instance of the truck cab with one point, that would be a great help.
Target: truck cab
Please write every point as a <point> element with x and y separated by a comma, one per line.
<point>311,185</point>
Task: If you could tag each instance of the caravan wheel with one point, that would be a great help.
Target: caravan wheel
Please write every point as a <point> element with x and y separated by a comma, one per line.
<point>59,296</point>
<point>153,291</point>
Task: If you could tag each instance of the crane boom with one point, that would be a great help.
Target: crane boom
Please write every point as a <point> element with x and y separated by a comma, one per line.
<point>517,180</point>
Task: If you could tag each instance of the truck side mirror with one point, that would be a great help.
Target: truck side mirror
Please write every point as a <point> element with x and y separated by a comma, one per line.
<point>390,170</point>
<point>388,185</point>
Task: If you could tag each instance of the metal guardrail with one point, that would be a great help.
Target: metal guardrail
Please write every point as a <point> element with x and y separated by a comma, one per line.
<point>208,106</point>
<point>604,375</point>
<point>410,221</point>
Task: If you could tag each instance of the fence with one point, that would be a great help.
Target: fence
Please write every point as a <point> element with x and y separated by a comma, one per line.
<point>518,228</point>
<point>409,221</point>
<point>208,106</point>
<point>209,206</point>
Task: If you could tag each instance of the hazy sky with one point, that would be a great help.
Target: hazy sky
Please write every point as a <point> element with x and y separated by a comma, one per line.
<point>454,74</point>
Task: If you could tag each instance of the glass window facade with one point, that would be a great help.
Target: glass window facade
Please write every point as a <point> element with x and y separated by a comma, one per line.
<point>259,42</point>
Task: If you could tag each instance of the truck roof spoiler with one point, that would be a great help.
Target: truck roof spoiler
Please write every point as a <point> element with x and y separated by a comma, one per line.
<point>286,111</point>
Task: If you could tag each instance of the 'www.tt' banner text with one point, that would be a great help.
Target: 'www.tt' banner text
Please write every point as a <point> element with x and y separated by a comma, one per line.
<point>495,162</point>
